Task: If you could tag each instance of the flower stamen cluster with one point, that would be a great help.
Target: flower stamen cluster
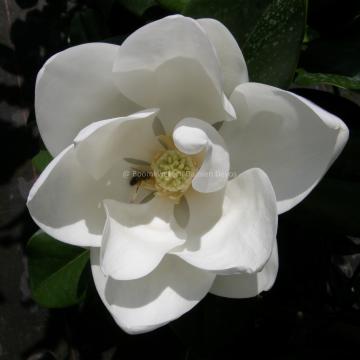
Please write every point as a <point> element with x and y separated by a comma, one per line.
<point>173,171</point>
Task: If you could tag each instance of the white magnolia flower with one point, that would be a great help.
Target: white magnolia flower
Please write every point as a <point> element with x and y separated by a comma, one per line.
<point>152,105</point>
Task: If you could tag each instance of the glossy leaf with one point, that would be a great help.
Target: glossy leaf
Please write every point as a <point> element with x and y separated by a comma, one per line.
<point>57,271</point>
<point>239,17</point>
<point>346,82</point>
<point>272,49</point>
<point>270,33</point>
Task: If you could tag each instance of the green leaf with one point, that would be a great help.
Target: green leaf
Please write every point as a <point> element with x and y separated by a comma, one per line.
<point>57,276</point>
<point>239,17</point>
<point>270,33</point>
<point>86,26</point>
<point>346,82</point>
<point>138,7</point>
<point>272,49</point>
<point>41,160</point>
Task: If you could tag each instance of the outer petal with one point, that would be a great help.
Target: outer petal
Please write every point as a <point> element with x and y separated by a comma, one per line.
<point>232,233</point>
<point>145,304</point>
<point>231,59</point>
<point>66,202</point>
<point>248,285</point>
<point>75,88</point>
<point>171,64</point>
<point>192,136</point>
<point>291,139</point>
<point>137,236</point>
<point>100,145</point>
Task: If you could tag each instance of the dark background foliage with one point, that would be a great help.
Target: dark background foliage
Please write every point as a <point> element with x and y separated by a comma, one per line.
<point>313,309</point>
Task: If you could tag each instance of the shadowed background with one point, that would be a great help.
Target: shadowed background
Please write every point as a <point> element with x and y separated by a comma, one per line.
<point>313,309</point>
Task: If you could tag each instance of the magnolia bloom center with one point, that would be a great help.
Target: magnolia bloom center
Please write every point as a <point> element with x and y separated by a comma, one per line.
<point>173,171</point>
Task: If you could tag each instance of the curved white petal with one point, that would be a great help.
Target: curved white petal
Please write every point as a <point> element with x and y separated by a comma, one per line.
<point>291,139</point>
<point>145,304</point>
<point>191,136</point>
<point>231,59</point>
<point>171,64</point>
<point>232,230</point>
<point>75,88</point>
<point>248,285</point>
<point>100,145</point>
<point>165,39</point>
<point>66,202</point>
<point>137,236</point>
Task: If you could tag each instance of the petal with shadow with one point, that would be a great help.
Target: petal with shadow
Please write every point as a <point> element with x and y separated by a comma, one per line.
<point>73,89</point>
<point>145,304</point>
<point>101,144</point>
<point>137,237</point>
<point>248,285</point>
<point>171,64</point>
<point>232,62</point>
<point>192,136</point>
<point>232,230</point>
<point>291,139</point>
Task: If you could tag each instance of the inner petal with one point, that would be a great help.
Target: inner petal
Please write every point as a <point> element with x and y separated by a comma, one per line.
<point>194,136</point>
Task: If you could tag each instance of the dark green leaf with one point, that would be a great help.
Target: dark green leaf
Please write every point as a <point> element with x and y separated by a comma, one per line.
<point>272,49</point>
<point>41,160</point>
<point>346,82</point>
<point>57,276</point>
<point>270,33</point>
<point>86,26</point>
<point>138,7</point>
<point>239,16</point>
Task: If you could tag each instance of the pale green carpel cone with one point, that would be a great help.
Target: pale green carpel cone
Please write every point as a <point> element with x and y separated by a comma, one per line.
<point>173,171</point>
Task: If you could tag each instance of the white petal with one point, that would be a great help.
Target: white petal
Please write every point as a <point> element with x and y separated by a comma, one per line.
<point>171,64</point>
<point>248,285</point>
<point>137,236</point>
<point>145,304</point>
<point>75,88</point>
<point>191,136</point>
<point>232,231</point>
<point>291,139</point>
<point>100,145</point>
<point>231,59</point>
<point>66,202</point>
<point>166,39</point>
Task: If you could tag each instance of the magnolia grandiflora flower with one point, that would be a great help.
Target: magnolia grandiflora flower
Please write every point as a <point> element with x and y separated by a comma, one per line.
<point>172,167</point>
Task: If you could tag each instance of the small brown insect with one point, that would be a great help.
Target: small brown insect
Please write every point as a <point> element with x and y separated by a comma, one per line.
<point>139,176</point>
<point>138,179</point>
